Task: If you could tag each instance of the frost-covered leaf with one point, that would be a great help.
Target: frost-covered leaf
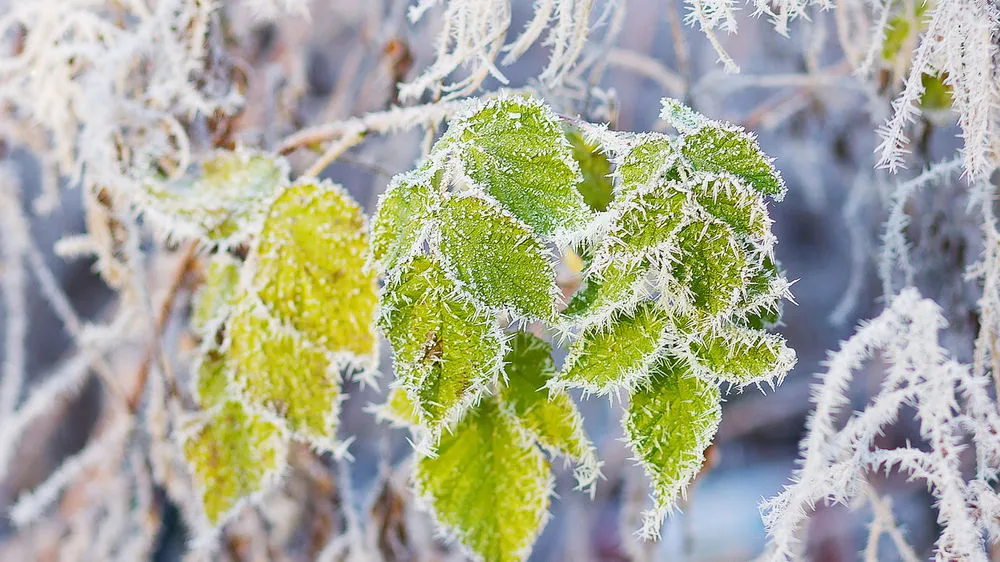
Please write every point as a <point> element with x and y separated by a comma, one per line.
<point>618,285</point>
<point>761,303</point>
<point>514,147</point>
<point>606,358</point>
<point>596,168</point>
<point>233,456</point>
<point>681,117</point>
<point>670,421</point>
<point>220,200</point>
<point>399,409</point>
<point>742,355</point>
<point>402,216</point>
<point>649,217</point>
<point>652,154</point>
<point>216,295</point>
<point>282,373</point>
<point>728,200</point>
<point>497,259</point>
<point>717,147</point>
<point>550,416</point>
<point>210,378</point>
<point>709,265</point>
<point>310,268</point>
<point>488,484</point>
<point>446,351</point>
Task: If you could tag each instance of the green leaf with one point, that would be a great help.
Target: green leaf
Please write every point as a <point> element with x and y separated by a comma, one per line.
<point>899,28</point>
<point>446,351</point>
<point>937,94</point>
<point>398,409</point>
<point>515,149</point>
<point>215,297</point>
<point>709,266</point>
<point>282,373</point>
<point>728,200</point>
<point>649,218</point>
<point>310,268</point>
<point>760,306</point>
<point>220,201</point>
<point>896,32</point>
<point>617,286</point>
<point>211,382</point>
<point>652,154</point>
<point>496,259</point>
<point>718,147</point>
<point>401,218</point>
<point>488,484</point>
<point>607,358</point>
<point>233,456</point>
<point>670,421</point>
<point>741,355</point>
<point>550,416</point>
<point>596,168</point>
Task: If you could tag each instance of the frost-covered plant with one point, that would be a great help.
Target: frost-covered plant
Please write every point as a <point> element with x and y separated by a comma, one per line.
<point>955,411</point>
<point>679,284</point>
<point>945,52</point>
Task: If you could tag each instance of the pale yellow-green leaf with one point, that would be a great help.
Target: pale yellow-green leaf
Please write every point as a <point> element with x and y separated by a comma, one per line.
<point>222,200</point>
<point>211,379</point>
<point>399,409</point>
<point>488,485</point>
<point>279,371</point>
<point>233,456</point>
<point>215,297</point>
<point>310,268</point>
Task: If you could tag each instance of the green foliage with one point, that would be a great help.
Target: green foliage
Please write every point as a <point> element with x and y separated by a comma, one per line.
<point>514,148</point>
<point>497,259</point>
<point>670,421</point>
<point>608,358</point>
<point>234,454</point>
<point>488,484</point>
<point>677,288</point>
<point>550,417</point>
<point>596,169</point>
<point>403,212</point>
<point>446,351</point>
<point>297,313</point>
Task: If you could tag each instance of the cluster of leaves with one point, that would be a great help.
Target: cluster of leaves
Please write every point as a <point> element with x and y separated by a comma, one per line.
<point>680,283</point>
<point>279,328</point>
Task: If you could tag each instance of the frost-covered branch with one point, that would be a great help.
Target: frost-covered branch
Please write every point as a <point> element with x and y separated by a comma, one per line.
<point>952,405</point>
